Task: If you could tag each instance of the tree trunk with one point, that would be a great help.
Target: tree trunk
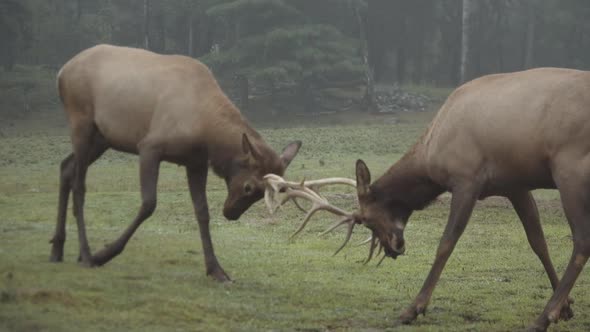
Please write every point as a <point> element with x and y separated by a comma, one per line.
<point>401,65</point>
<point>191,35</point>
<point>498,24</point>
<point>78,10</point>
<point>369,103</point>
<point>146,24</point>
<point>465,42</point>
<point>530,36</point>
<point>418,54</point>
<point>401,52</point>
<point>379,23</point>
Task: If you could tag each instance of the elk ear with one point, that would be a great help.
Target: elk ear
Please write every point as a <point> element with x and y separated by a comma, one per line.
<point>289,152</point>
<point>363,178</point>
<point>248,148</point>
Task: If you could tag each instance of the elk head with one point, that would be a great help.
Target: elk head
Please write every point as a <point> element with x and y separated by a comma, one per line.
<point>244,181</point>
<point>385,222</point>
<point>384,218</point>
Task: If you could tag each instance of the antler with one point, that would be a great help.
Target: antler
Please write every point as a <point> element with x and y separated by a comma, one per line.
<point>279,191</point>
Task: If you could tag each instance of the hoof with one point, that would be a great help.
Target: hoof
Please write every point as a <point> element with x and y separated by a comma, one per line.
<point>563,313</point>
<point>219,275</point>
<point>86,261</point>
<point>566,312</point>
<point>410,314</point>
<point>56,258</point>
<point>57,251</point>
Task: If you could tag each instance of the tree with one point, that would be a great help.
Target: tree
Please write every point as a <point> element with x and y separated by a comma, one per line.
<point>465,38</point>
<point>15,31</point>
<point>379,27</point>
<point>270,42</point>
<point>369,102</point>
<point>530,33</point>
<point>146,24</point>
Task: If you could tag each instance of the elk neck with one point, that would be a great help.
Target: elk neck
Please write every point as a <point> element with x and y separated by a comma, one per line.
<point>224,142</point>
<point>407,183</point>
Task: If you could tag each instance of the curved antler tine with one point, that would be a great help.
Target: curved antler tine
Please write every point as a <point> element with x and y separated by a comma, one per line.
<point>311,193</point>
<point>268,201</point>
<point>321,203</point>
<point>342,221</point>
<point>372,248</point>
<point>330,181</point>
<point>273,180</point>
<point>335,210</point>
<point>379,250</point>
<point>284,200</point>
<point>311,212</point>
<point>364,242</point>
<point>297,204</point>
<point>351,224</point>
<point>278,192</point>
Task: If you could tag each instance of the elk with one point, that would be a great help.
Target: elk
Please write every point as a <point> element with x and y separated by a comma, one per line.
<point>498,135</point>
<point>162,108</point>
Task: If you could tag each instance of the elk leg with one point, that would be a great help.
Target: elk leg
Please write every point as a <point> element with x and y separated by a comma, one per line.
<point>197,182</point>
<point>575,201</point>
<point>525,207</point>
<point>462,204</point>
<point>65,185</point>
<point>88,144</point>
<point>96,147</point>
<point>554,308</point>
<point>149,166</point>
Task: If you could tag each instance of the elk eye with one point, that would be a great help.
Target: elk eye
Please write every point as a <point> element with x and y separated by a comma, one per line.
<point>247,188</point>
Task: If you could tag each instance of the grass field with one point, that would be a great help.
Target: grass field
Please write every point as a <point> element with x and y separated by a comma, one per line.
<point>492,282</point>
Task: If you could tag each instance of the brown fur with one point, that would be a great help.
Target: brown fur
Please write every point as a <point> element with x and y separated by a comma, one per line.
<point>163,108</point>
<point>499,135</point>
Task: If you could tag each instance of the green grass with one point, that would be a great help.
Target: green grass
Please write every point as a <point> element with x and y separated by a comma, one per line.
<point>436,93</point>
<point>492,282</point>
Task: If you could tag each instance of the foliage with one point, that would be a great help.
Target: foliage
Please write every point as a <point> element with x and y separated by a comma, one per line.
<point>15,31</point>
<point>289,50</point>
<point>274,43</point>
<point>25,89</point>
<point>291,53</point>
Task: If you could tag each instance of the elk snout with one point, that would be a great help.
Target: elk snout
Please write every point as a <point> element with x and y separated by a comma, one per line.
<point>235,207</point>
<point>231,214</point>
<point>396,245</point>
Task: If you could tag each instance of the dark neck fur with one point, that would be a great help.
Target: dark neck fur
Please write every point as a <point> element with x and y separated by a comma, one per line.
<point>407,183</point>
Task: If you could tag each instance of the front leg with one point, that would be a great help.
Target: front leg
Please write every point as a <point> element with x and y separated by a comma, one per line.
<point>462,205</point>
<point>197,183</point>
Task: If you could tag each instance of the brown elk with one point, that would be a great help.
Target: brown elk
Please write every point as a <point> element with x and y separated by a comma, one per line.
<point>162,108</point>
<point>499,135</point>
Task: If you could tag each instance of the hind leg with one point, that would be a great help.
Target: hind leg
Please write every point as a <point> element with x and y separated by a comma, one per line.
<point>89,144</point>
<point>524,205</point>
<point>67,172</point>
<point>575,197</point>
<point>65,185</point>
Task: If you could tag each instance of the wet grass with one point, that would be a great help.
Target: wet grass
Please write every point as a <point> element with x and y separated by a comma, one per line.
<point>493,281</point>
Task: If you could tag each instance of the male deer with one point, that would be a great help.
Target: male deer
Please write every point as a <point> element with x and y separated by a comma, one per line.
<point>499,135</point>
<point>163,108</point>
